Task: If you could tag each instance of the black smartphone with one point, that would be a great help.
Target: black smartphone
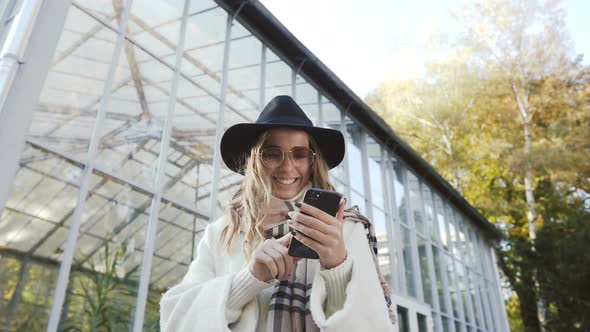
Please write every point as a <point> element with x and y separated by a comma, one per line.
<point>325,200</point>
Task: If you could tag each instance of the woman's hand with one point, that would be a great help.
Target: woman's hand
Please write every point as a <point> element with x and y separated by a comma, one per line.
<point>271,259</point>
<point>321,232</point>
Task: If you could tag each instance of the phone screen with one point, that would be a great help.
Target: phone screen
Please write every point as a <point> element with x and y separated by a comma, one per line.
<point>325,200</point>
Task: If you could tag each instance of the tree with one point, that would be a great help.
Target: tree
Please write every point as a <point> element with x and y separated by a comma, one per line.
<point>438,107</point>
<point>522,143</point>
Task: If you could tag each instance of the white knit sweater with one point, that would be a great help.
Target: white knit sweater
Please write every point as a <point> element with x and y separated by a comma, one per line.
<point>219,293</point>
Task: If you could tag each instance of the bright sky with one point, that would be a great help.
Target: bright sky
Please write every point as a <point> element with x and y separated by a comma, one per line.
<point>366,42</point>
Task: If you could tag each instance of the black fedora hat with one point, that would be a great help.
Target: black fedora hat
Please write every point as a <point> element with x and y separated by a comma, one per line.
<point>280,112</point>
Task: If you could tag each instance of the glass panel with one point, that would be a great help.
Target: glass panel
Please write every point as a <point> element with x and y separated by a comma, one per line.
<point>441,221</point>
<point>424,271</point>
<point>34,218</point>
<point>402,318</point>
<point>448,262</point>
<point>357,199</point>
<point>438,274</point>
<point>445,324</point>
<point>416,202</point>
<point>400,194</point>
<point>105,10</point>
<point>278,77</point>
<point>455,242</point>
<point>204,46</point>
<point>489,297</point>
<point>45,192</point>
<point>8,11</point>
<point>462,241</point>
<point>243,91</point>
<point>382,243</point>
<point>155,25</point>
<point>27,291</point>
<point>375,173</point>
<point>407,257</point>
<point>130,139</point>
<point>355,158</point>
<point>422,322</point>
<point>462,288</point>
<point>470,233</point>
<point>72,93</point>
<point>339,186</point>
<point>429,211</point>
<point>486,320</point>
<point>306,95</point>
<point>331,116</point>
<point>189,170</point>
<point>473,298</point>
<point>109,249</point>
<point>179,233</point>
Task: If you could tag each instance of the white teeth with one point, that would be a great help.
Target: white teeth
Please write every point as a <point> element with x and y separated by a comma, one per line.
<point>286,181</point>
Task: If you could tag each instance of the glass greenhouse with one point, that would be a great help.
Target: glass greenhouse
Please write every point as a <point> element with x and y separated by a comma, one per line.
<point>111,112</point>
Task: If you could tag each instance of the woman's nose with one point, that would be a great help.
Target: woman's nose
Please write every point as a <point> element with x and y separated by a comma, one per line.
<point>287,162</point>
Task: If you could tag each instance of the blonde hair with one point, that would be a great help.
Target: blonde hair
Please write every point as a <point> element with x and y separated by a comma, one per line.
<point>251,201</point>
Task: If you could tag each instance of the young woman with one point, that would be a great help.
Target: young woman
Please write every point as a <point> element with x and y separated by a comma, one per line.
<point>244,279</point>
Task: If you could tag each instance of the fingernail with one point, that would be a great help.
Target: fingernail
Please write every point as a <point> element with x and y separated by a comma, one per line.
<point>298,204</point>
<point>291,214</point>
<point>345,200</point>
<point>289,221</point>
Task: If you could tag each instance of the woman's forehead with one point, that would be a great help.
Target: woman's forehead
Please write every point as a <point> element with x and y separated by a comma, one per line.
<point>287,137</point>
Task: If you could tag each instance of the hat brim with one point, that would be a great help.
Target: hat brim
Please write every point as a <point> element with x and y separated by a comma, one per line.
<point>238,140</point>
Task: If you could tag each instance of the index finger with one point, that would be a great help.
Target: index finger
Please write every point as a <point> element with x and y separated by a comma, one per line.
<point>341,206</point>
<point>285,240</point>
<point>315,212</point>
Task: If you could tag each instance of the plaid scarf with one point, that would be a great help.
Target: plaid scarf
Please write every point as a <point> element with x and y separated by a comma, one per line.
<point>289,306</point>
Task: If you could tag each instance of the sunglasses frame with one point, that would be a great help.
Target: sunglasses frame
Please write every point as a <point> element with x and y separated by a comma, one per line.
<point>290,152</point>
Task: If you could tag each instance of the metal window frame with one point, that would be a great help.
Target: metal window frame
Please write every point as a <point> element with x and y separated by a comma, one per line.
<point>446,209</point>
<point>396,221</point>
<point>498,293</point>
<point>482,285</point>
<point>442,267</point>
<point>294,83</point>
<point>413,240</point>
<point>397,227</point>
<point>262,85</point>
<point>220,116</point>
<point>72,237</point>
<point>476,275</point>
<point>320,109</point>
<point>366,173</point>
<point>429,255</point>
<point>463,259</point>
<point>152,227</point>
<point>345,165</point>
<point>390,219</point>
<point>23,90</point>
<point>487,281</point>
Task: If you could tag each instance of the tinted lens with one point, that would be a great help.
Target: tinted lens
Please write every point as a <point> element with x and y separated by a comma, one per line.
<point>302,156</point>
<point>272,157</point>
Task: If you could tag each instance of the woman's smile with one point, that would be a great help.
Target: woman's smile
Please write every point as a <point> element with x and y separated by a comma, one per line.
<point>285,181</point>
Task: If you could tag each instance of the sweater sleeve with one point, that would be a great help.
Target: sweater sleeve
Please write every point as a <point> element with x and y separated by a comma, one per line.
<point>363,307</point>
<point>244,287</point>
<point>337,279</point>
<point>201,302</point>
